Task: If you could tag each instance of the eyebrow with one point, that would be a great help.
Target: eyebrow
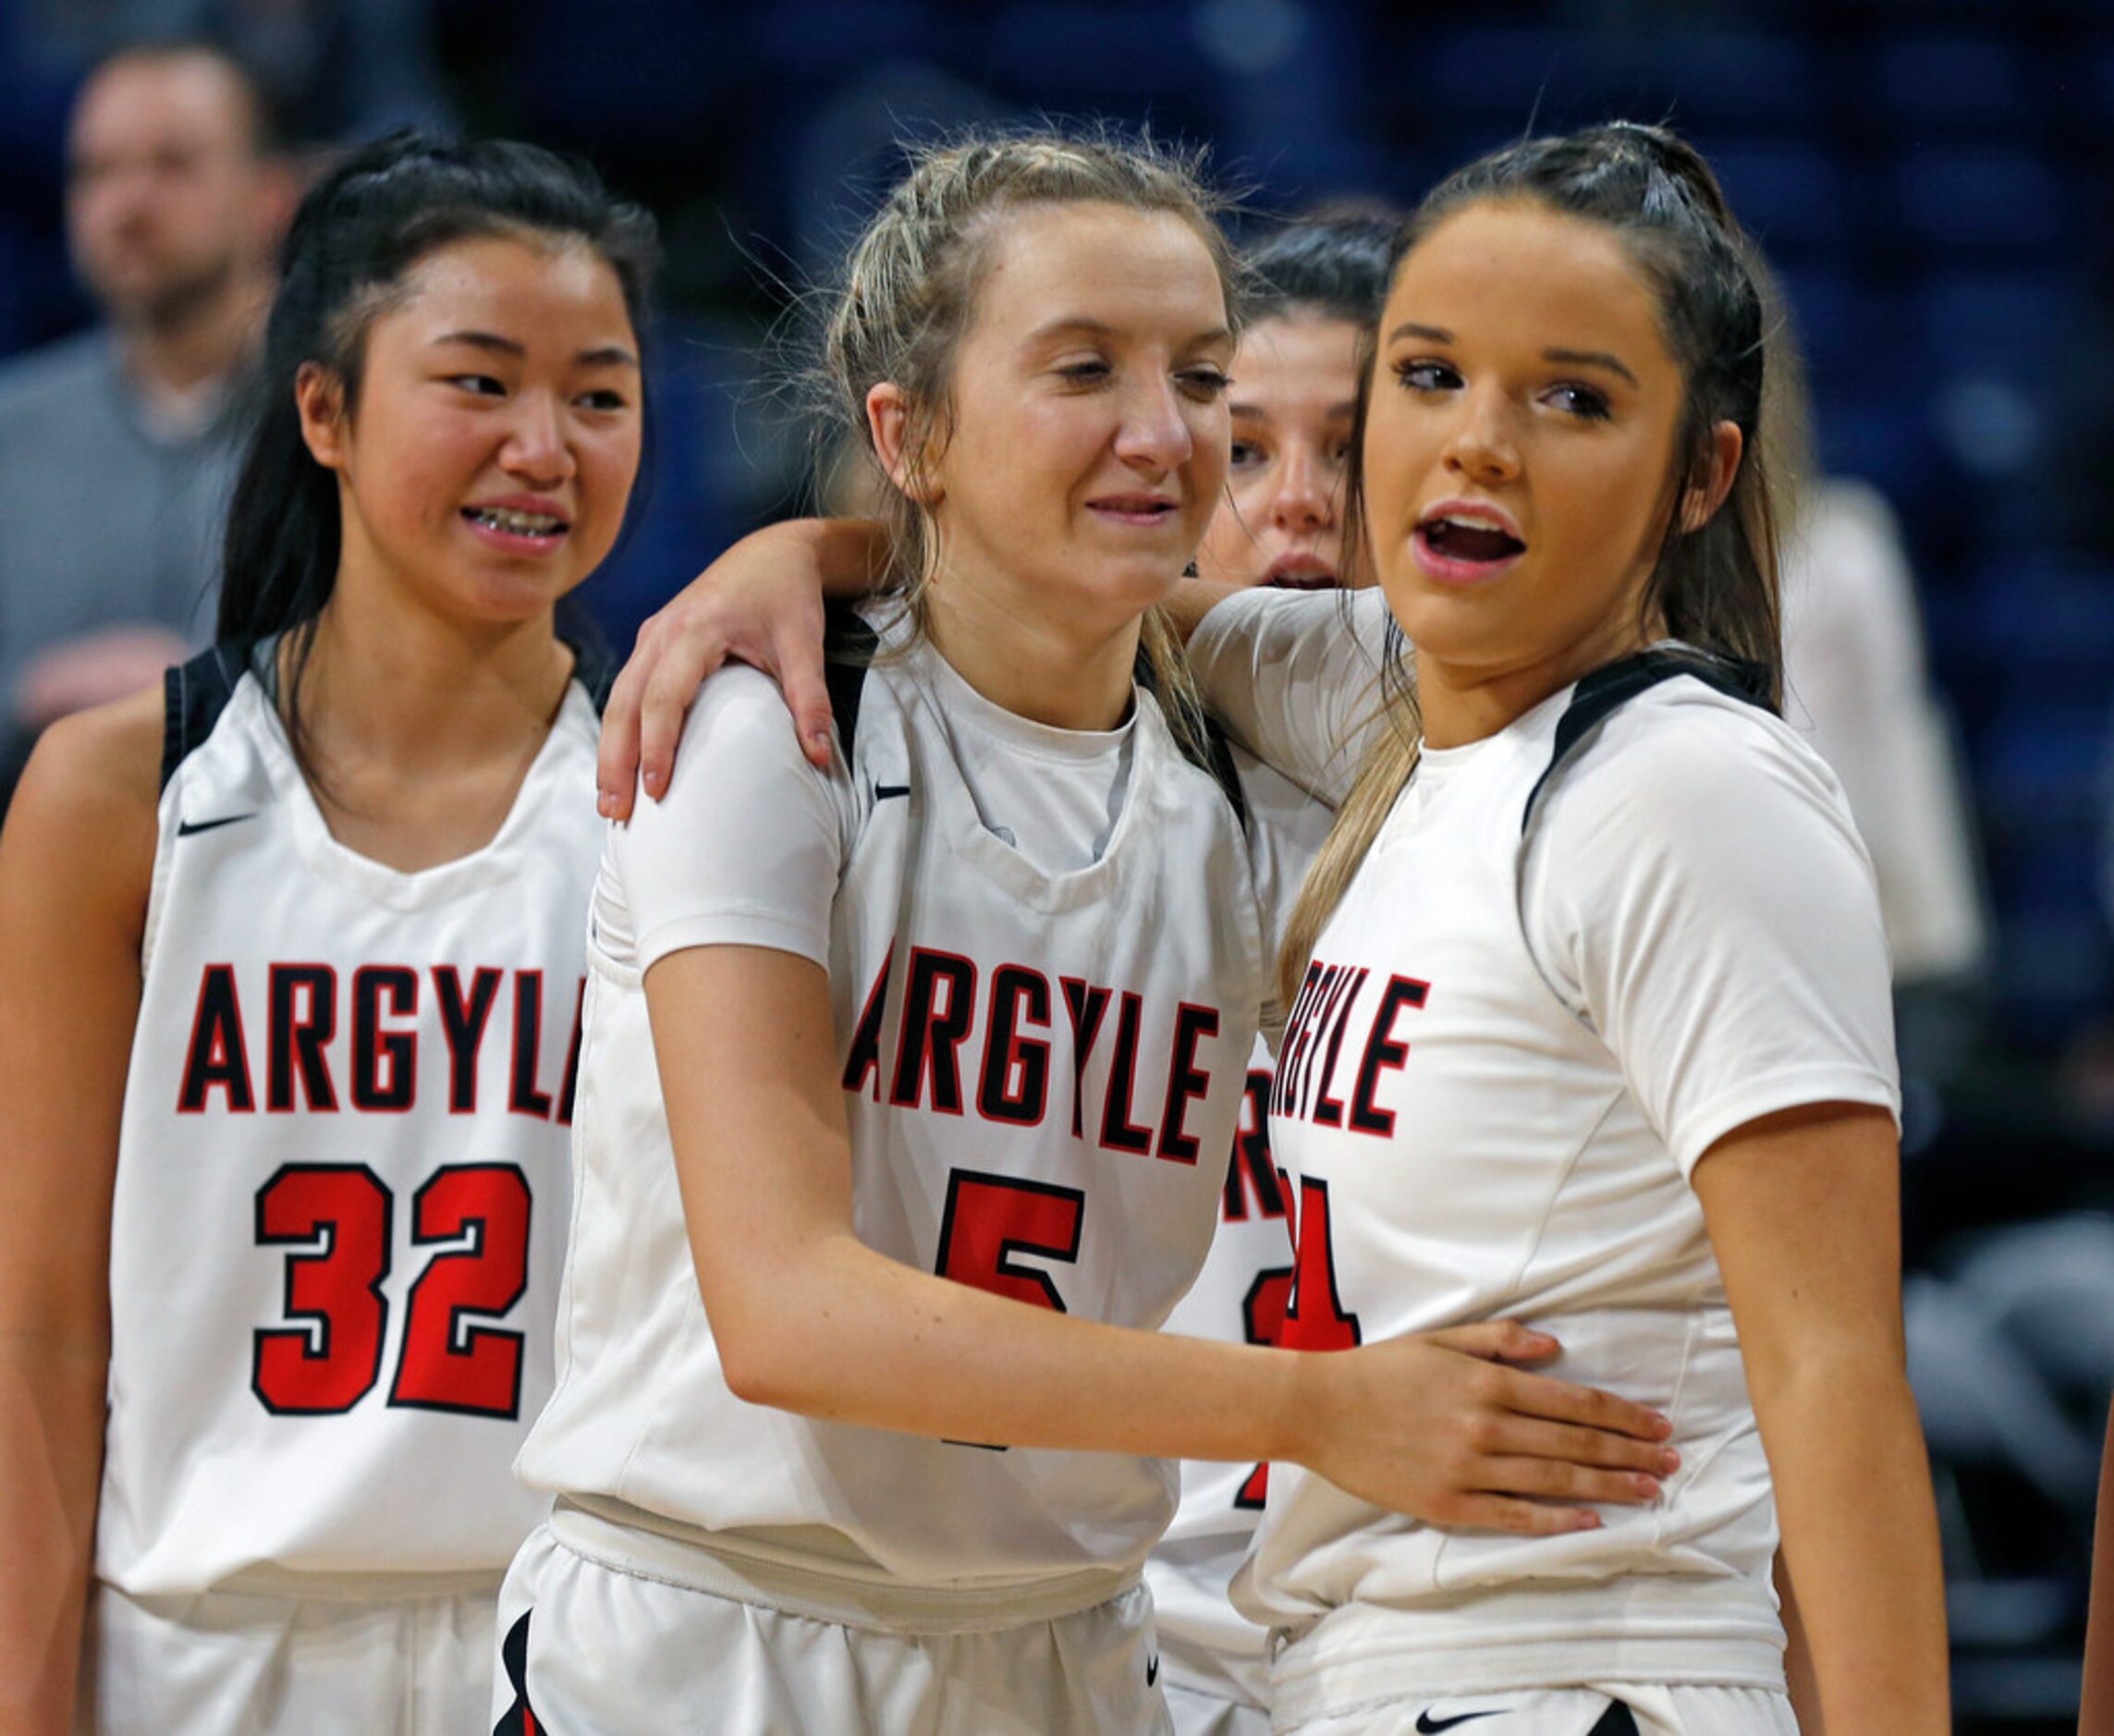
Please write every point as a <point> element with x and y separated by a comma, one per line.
<point>608,356</point>
<point>1066,325</point>
<point>1569,358</point>
<point>1349,406</point>
<point>1590,359</point>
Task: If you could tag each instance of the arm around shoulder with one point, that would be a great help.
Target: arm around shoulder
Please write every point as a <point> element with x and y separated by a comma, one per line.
<point>76,863</point>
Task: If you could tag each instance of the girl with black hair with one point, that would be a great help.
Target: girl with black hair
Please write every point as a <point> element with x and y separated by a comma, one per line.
<point>294,959</point>
<point>1310,292</point>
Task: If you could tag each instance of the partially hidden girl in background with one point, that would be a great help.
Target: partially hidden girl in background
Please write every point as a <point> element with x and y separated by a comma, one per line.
<point>1310,291</point>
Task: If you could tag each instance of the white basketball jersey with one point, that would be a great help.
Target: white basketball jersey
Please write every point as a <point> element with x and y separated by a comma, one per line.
<point>1238,1297</point>
<point>1041,1072</point>
<point>1514,1043</point>
<point>341,1183</point>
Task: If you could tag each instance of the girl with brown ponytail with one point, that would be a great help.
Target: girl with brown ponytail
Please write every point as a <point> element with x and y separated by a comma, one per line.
<point>1589,996</point>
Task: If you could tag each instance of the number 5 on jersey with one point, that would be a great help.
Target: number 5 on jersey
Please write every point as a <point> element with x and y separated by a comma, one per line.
<point>990,1218</point>
<point>337,1222</point>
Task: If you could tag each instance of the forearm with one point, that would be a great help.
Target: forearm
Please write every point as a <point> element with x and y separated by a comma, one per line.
<point>849,556</point>
<point>51,1467</point>
<point>1798,1659</point>
<point>2096,1715</point>
<point>852,1335</point>
<point>1853,1497</point>
<point>1192,600</point>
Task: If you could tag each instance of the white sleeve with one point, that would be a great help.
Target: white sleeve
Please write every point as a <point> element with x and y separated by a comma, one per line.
<point>747,846</point>
<point>1294,676</point>
<point>1285,830</point>
<point>1695,888</point>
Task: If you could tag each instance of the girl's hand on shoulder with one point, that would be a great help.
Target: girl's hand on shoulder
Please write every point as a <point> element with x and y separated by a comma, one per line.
<point>759,603</point>
<point>1446,1427</point>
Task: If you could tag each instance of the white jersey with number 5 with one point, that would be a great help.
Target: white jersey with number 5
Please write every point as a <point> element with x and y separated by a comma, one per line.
<point>341,1183</point>
<point>1045,960</point>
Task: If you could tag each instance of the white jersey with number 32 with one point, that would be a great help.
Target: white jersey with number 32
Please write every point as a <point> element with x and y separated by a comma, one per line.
<point>341,1182</point>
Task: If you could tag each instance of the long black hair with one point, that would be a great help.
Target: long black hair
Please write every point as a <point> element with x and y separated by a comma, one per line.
<point>358,232</point>
<point>1331,264</point>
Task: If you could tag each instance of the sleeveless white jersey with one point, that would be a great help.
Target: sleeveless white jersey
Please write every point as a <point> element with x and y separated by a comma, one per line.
<point>1513,1046</point>
<point>342,1173</point>
<point>1040,1071</point>
<point>1238,1297</point>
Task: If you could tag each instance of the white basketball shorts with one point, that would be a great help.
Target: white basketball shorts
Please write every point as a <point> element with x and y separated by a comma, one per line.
<point>1626,1709</point>
<point>234,1664</point>
<point>587,1647</point>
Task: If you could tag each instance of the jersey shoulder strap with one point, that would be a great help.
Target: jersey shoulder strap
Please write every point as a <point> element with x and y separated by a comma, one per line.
<point>848,647</point>
<point>193,696</point>
<point>1607,688</point>
<point>594,666</point>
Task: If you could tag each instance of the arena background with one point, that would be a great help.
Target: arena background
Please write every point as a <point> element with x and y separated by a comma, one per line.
<point>1930,179</point>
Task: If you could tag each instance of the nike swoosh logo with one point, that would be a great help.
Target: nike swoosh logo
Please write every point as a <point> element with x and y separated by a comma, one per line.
<point>1151,1672</point>
<point>1427,1724</point>
<point>882,792</point>
<point>185,828</point>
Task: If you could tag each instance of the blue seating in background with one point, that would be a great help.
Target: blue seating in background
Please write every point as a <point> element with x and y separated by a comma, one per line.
<point>816,41</point>
<point>1998,202</point>
<point>1847,340</point>
<point>1791,195</point>
<point>1507,74</point>
<point>1097,56</point>
<point>2017,324</point>
<point>1955,81</point>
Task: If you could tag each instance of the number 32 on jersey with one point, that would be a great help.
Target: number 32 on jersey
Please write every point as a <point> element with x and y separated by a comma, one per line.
<point>337,1222</point>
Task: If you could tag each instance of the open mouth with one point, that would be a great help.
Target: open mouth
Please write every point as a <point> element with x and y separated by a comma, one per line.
<point>1469,540</point>
<point>514,525</point>
<point>1301,572</point>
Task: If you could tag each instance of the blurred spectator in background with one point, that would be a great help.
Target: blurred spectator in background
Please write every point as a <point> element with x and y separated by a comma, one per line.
<point>327,69</point>
<point>116,445</point>
<point>1855,662</point>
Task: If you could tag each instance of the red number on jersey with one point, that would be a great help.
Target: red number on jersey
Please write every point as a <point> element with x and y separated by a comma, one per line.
<point>327,1365</point>
<point>332,1359</point>
<point>1263,1319</point>
<point>1314,1319</point>
<point>990,1218</point>
<point>447,1364</point>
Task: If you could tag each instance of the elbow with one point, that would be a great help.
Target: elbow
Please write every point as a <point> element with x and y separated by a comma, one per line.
<point>756,1377</point>
<point>760,1355</point>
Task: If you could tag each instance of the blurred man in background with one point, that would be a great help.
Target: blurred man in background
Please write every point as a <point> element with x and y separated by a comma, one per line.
<point>116,445</point>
